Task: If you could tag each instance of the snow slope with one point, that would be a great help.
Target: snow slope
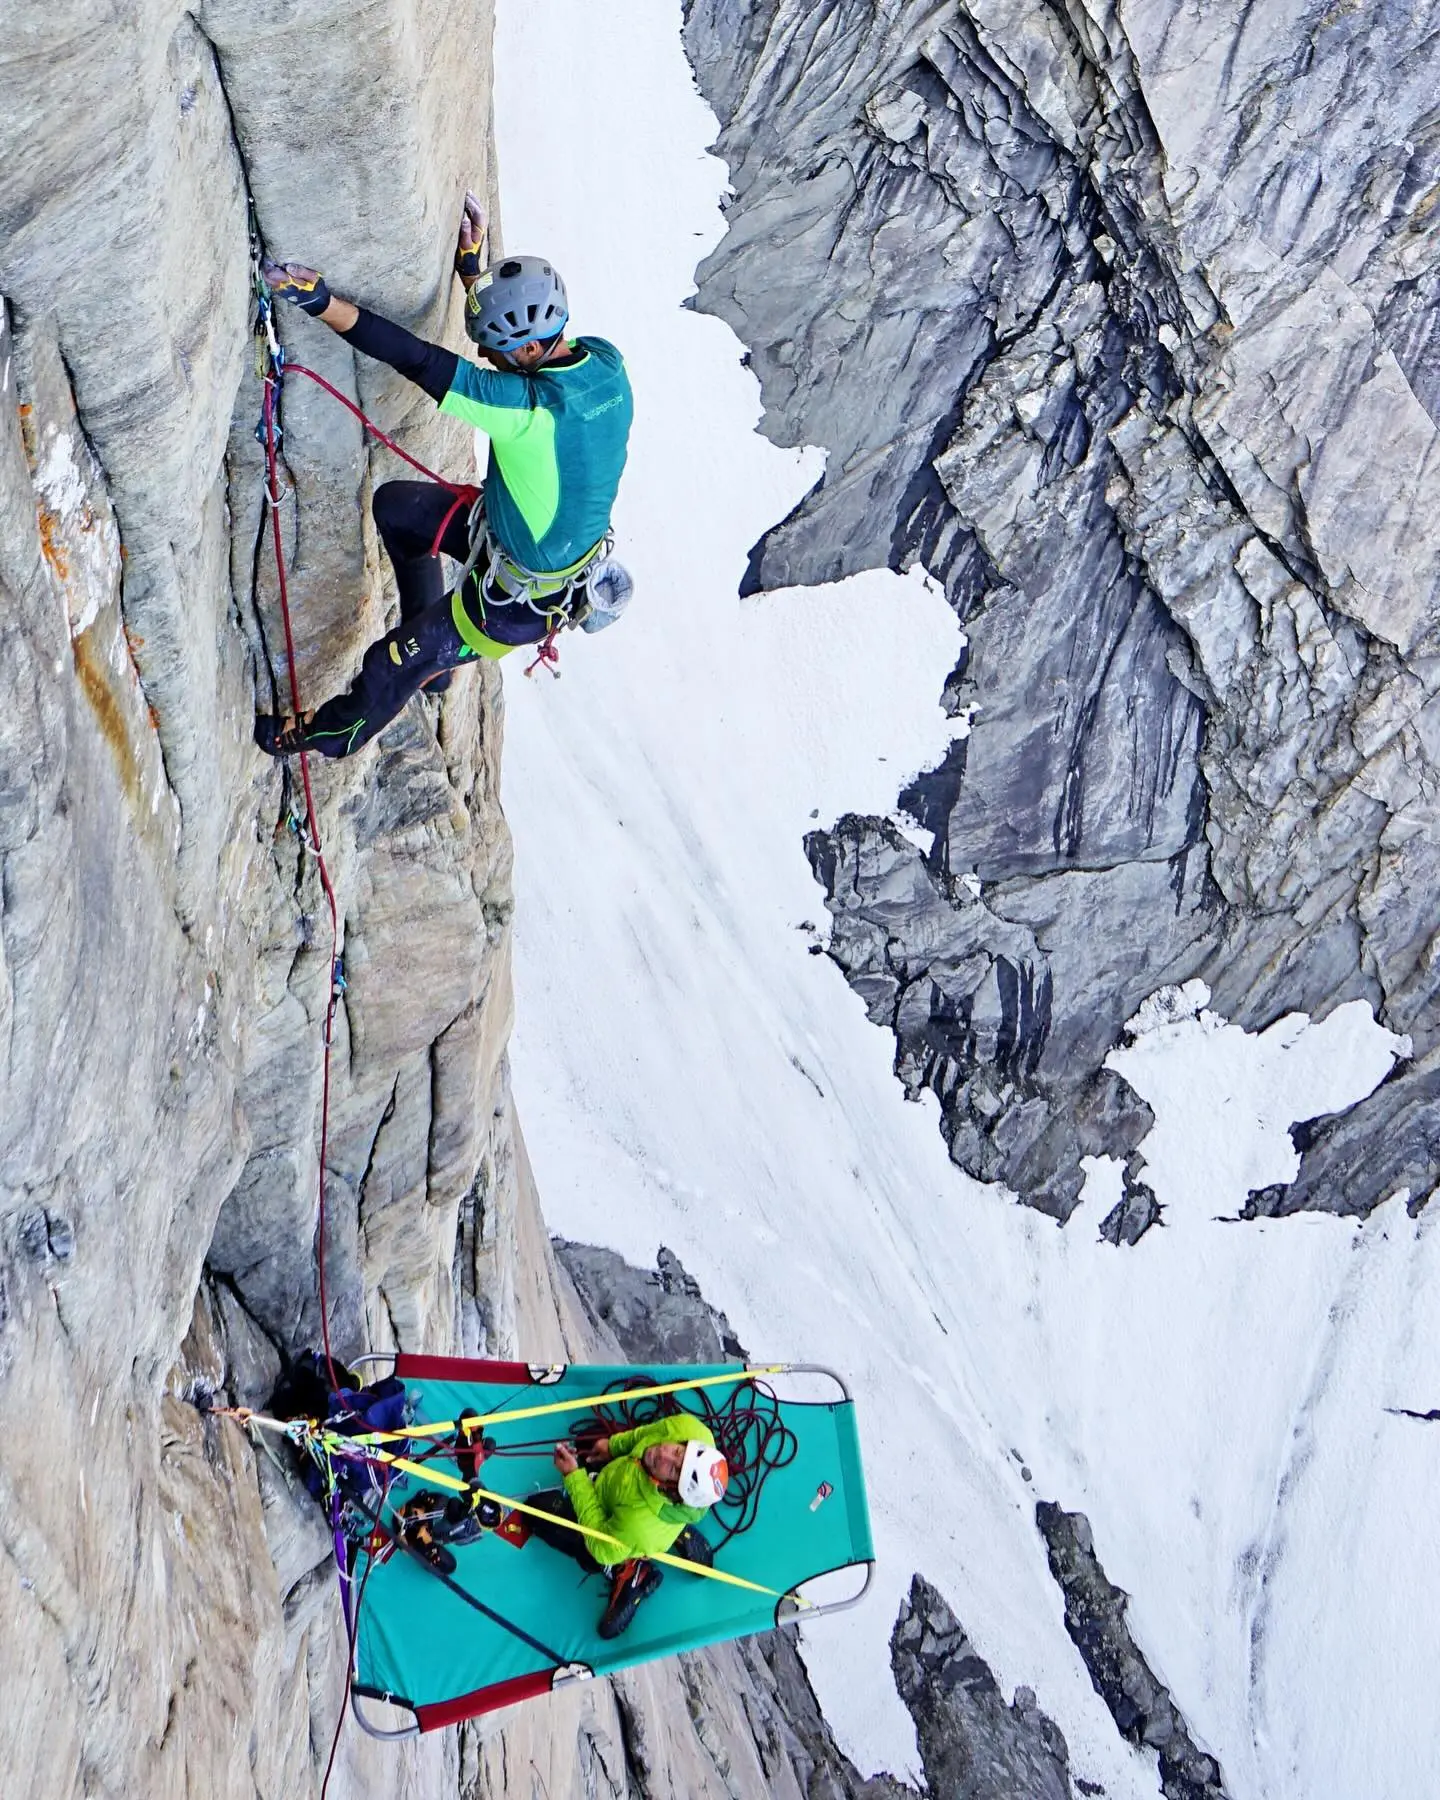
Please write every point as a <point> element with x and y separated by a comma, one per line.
<point>690,1073</point>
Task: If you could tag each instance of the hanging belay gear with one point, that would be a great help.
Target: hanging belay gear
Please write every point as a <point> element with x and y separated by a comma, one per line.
<point>456,1605</point>
<point>591,593</point>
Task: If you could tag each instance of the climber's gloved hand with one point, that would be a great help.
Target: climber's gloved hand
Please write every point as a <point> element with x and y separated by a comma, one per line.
<point>302,287</point>
<point>470,250</point>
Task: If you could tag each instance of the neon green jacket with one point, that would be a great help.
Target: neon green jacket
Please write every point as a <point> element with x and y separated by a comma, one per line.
<point>622,1499</point>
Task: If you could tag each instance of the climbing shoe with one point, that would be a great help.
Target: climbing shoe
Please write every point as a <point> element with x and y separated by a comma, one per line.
<point>695,1547</point>
<point>436,1555</point>
<point>467,1519</point>
<point>280,736</point>
<point>422,1525</point>
<point>631,1583</point>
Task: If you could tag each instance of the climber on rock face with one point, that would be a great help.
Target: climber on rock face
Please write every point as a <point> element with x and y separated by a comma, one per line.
<point>557,412</point>
<point>653,1484</point>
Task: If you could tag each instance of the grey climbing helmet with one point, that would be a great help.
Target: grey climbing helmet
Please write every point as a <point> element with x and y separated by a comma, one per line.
<point>516,302</point>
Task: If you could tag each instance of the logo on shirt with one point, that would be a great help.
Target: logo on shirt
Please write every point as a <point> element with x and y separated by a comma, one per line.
<point>596,411</point>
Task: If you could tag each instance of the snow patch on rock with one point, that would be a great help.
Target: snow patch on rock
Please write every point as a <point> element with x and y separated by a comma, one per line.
<point>1224,1098</point>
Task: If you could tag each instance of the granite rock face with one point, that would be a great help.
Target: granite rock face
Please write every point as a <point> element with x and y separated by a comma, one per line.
<point>1121,320</point>
<point>975,1746</point>
<point>654,1316</point>
<point>167,1622</point>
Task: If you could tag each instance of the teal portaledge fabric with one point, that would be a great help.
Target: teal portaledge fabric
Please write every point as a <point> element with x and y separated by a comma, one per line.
<point>421,1643</point>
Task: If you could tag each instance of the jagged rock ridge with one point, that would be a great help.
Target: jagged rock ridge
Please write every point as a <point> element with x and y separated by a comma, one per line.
<point>1095,1618</point>
<point>973,1744</point>
<point>1123,324</point>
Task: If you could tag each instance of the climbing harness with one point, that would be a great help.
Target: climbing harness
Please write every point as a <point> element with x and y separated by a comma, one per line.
<point>559,597</point>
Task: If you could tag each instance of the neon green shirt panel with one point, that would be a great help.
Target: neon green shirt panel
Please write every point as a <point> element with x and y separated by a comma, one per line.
<point>522,442</point>
<point>625,1503</point>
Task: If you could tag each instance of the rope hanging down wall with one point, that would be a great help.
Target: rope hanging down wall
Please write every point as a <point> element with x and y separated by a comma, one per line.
<point>273,366</point>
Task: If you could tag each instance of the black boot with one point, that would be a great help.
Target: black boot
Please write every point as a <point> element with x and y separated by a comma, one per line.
<point>631,1583</point>
<point>466,1520</point>
<point>279,736</point>
<point>695,1547</point>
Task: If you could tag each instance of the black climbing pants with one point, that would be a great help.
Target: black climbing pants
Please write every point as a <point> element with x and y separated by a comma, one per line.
<point>572,1543</point>
<point>424,643</point>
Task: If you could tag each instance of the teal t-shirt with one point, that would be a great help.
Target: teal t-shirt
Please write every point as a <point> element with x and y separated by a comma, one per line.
<point>557,449</point>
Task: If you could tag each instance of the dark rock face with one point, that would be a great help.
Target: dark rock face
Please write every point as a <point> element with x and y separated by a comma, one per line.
<point>970,996</point>
<point>1095,1619</point>
<point>1109,348</point>
<point>656,1315</point>
<point>974,1746</point>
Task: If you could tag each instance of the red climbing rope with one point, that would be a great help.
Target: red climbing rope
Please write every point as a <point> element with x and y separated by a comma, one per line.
<point>272,495</point>
<point>547,655</point>
<point>464,493</point>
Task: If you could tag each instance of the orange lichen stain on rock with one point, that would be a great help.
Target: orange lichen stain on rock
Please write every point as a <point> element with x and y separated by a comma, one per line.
<point>27,432</point>
<point>50,546</point>
<point>94,682</point>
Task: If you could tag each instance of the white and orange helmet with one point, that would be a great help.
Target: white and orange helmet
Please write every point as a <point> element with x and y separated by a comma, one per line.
<point>704,1475</point>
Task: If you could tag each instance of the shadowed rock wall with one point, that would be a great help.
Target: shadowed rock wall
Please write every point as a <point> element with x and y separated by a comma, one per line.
<point>1120,318</point>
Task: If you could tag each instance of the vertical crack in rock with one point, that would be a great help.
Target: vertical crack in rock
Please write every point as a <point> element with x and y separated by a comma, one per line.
<point>162,969</point>
<point>1110,353</point>
<point>1095,1618</point>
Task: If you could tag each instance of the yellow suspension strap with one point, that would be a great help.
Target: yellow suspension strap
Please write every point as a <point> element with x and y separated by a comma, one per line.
<point>578,1404</point>
<point>329,1442</point>
<point>433,1477</point>
<point>659,1556</point>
